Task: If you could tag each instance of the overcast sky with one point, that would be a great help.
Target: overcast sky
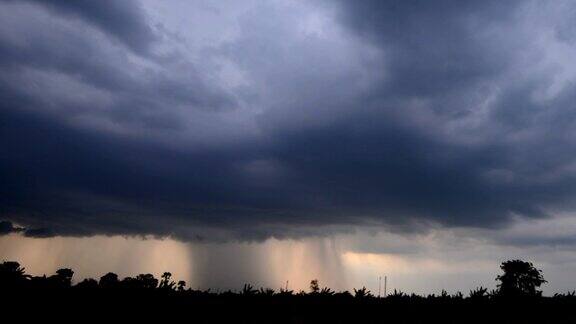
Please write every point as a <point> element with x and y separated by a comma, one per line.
<point>441,130</point>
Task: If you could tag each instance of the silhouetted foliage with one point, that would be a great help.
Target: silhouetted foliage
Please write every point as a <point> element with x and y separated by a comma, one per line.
<point>181,285</point>
<point>285,292</point>
<point>520,278</point>
<point>147,281</point>
<point>87,283</point>
<point>12,275</point>
<point>166,282</point>
<point>327,291</point>
<point>266,292</point>
<point>478,293</point>
<point>62,278</point>
<point>109,280</point>
<point>362,293</point>
<point>136,297</point>
<point>314,286</point>
<point>248,290</point>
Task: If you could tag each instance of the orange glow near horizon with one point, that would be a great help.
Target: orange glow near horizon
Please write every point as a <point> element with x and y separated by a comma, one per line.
<point>270,263</point>
<point>223,266</point>
<point>97,255</point>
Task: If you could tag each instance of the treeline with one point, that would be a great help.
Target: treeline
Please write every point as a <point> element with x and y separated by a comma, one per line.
<point>13,276</point>
<point>516,299</point>
<point>519,278</point>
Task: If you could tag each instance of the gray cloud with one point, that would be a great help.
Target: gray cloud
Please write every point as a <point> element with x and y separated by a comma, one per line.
<point>124,21</point>
<point>7,227</point>
<point>310,119</point>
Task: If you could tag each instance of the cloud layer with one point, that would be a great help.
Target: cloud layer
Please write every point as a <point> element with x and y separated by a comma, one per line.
<point>244,121</point>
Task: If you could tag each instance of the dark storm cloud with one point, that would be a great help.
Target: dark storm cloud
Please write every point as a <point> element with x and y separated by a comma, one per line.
<point>7,227</point>
<point>413,112</point>
<point>122,20</point>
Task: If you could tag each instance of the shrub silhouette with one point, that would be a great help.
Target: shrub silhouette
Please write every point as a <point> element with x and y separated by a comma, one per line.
<point>248,290</point>
<point>285,292</point>
<point>266,292</point>
<point>479,293</point>
<point>362,293</point>
<point>327,291</point>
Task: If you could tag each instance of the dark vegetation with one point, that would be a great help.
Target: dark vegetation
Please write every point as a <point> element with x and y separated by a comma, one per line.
<point>517,299</point>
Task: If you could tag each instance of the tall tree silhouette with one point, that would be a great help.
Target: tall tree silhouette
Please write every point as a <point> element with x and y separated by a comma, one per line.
<point>166,282</point>
<point>520,278</point>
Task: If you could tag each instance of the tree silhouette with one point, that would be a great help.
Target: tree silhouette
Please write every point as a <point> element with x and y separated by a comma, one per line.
<point>62,278</point>
<point>520,278</point>
<point>181,285</point>
<point>87,283</point>
<point>109,280</point>
<point>12,274</point>
<point>314,286</point>
<point>147,281</point>
<point>134,296</point>
<point>166,282</point>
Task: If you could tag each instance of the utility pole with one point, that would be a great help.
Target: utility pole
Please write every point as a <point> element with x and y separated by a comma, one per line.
<point>385,283</point>
<point>379,285</point>
<point>286,285</point>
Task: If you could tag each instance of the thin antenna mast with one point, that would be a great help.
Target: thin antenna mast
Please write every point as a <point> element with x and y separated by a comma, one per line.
<point>385,283</point>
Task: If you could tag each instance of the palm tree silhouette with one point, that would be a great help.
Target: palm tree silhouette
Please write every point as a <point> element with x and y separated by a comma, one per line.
<point>12,275</point>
